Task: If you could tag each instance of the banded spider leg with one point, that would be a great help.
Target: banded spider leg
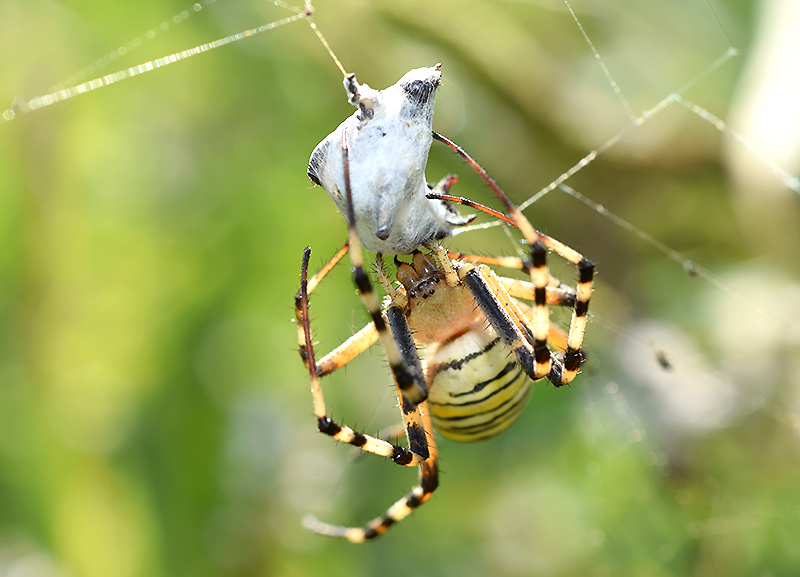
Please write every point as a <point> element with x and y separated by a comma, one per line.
<point>406,369</point>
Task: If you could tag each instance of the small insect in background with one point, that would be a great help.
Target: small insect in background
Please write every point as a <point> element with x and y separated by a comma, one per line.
<point>148,369</point>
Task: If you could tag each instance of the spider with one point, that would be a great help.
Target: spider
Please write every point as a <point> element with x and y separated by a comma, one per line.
<point>482,348</point>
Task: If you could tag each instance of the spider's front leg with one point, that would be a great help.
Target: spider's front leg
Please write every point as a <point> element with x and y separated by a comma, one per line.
<point>539,245</point>
<point>583,292</point>
<point>391,328</point>
<point>398,344</point>
<point>510,323</point>
<point>428,466</point>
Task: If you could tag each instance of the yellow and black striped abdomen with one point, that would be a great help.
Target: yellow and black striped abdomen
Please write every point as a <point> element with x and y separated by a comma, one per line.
<point>476,388</point>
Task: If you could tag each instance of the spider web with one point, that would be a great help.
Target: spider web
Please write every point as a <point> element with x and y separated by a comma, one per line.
<point>679,161</point>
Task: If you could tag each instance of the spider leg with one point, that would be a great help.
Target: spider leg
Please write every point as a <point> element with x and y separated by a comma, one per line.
<point>558,293</point>
<point>356,344</point>
<point>398,343</point>
<point>311,284</point>
<point>583,290</point>
<point>342,433</point>
<point>510,323</point>
<point>539,244</point>
<point>391,328</point>
<point>419,494</point>
<point>428,468</point>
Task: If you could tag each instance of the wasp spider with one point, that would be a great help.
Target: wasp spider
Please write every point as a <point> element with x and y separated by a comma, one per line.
<point>482,348</point>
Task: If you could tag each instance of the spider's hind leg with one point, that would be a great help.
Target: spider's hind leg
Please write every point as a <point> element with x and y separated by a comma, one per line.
<point>391,328</point>
<point>419,494</point>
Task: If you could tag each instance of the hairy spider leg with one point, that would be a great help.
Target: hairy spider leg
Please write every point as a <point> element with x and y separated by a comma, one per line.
<point>405,364</point>
<point>348,350</point>
<point>327,425</point>
<point>539,244</point>
<point>558,293</point>
<point>398,344</point>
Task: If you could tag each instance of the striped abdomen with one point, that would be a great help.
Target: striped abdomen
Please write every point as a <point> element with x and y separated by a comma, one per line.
<point>476,388</point>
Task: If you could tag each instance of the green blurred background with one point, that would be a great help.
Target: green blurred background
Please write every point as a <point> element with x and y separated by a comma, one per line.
<point>154,414</point>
